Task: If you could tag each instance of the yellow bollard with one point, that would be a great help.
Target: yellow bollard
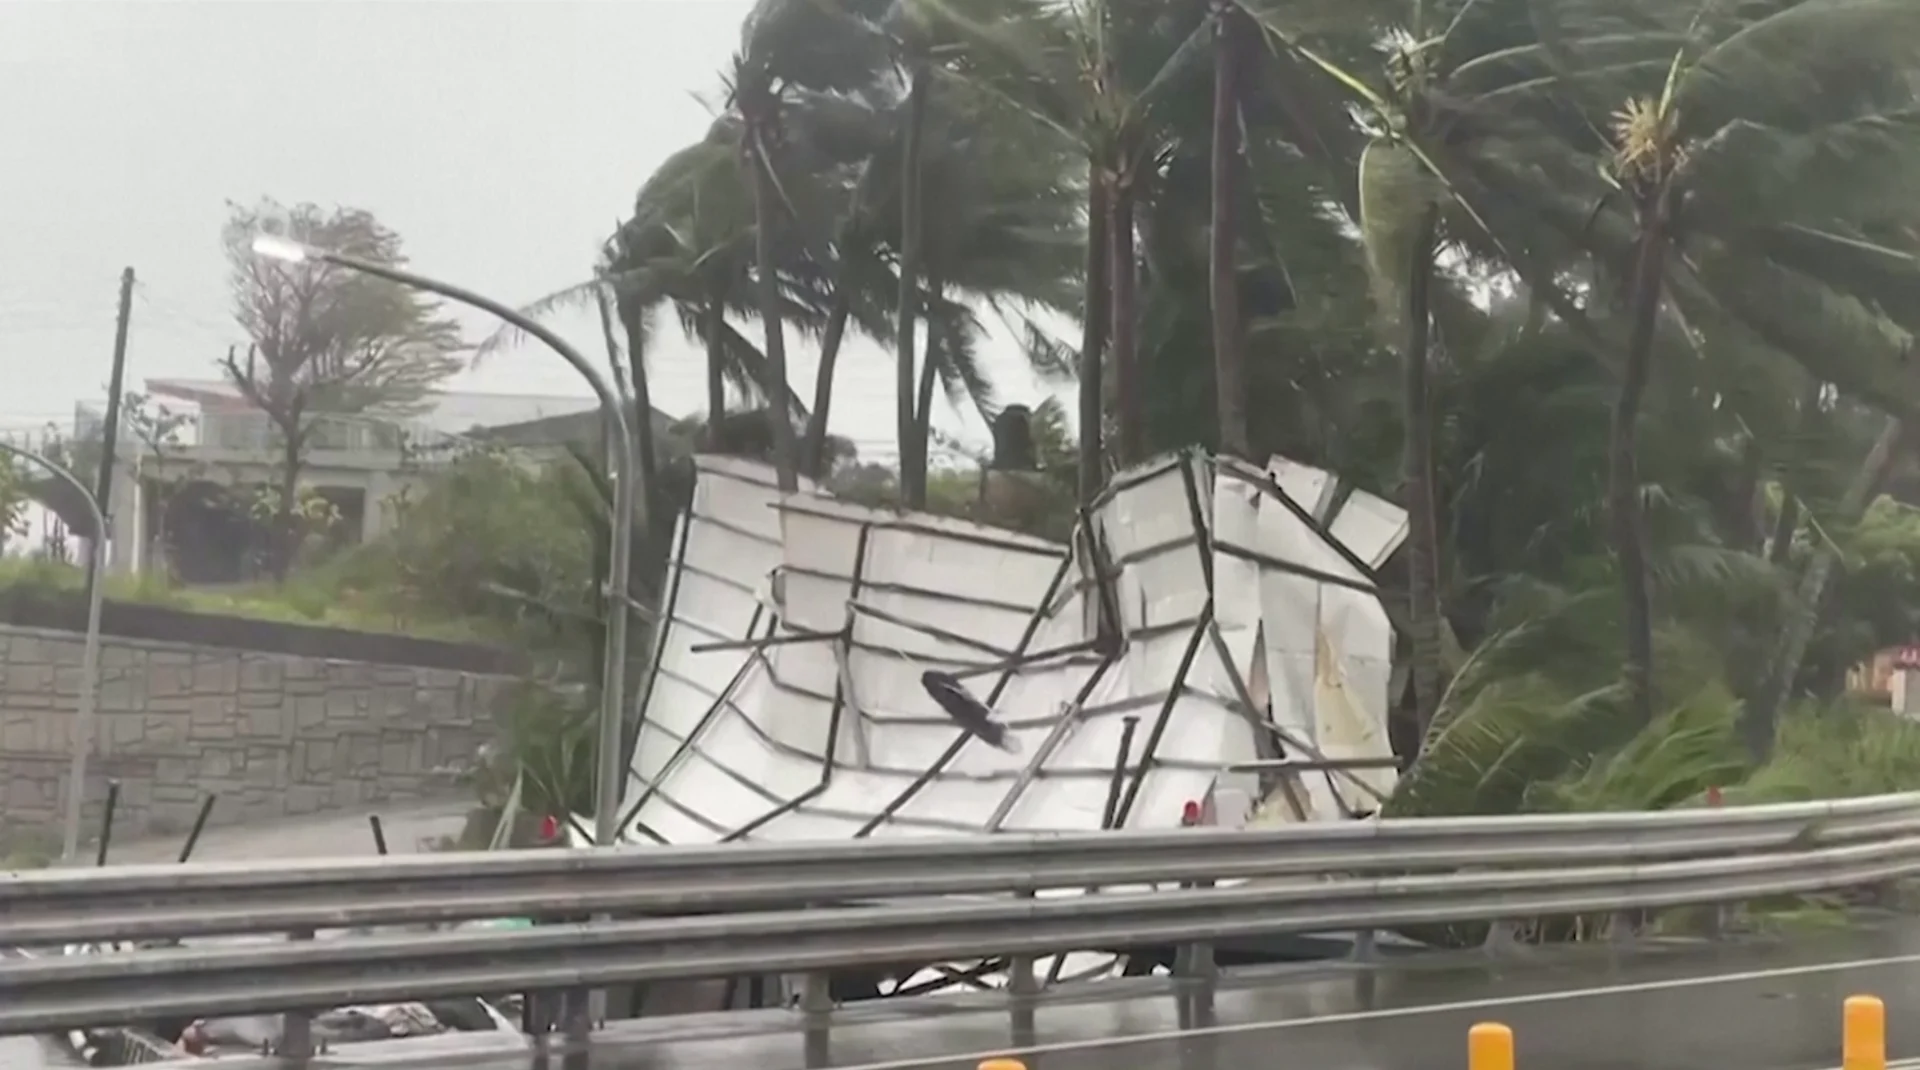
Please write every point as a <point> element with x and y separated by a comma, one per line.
<point>1863,1035</point>
<point>1490,1047</point>
<point>1003,1064</point>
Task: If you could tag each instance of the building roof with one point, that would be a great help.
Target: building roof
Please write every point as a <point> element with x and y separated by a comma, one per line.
<point>449,412</point>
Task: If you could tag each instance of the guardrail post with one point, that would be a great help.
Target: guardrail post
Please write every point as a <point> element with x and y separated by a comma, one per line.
<point>1500,937</point>
<point>296,1027</point>
<point>1365,945</point>
<point>576,1007</point>
<point>1020,979</point>
<point>816,1009</point>
<point>1198,956</point>
<point>1022,988</point>
<point>1620,928</point>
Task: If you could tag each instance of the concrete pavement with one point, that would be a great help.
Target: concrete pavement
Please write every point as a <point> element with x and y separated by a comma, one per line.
<point>323,836</point>
<point>320,836</point>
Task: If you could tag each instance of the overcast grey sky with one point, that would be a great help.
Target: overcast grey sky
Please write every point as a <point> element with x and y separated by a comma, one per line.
<point>501,138</point>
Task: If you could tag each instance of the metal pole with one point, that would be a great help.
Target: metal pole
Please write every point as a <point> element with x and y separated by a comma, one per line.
<point>614,681</point>
<point>110,432</point>
<point>89,659</point>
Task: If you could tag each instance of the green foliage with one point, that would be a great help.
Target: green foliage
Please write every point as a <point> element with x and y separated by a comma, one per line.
<point>487,531</point>
<point>14,500</point>
<point>1834,750</point>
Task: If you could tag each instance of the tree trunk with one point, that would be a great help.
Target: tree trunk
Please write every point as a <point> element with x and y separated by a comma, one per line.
<point>1093,336</point>
<point>1780,546</point>
<point>1757,727</point>
<point>633,321</point>
<point>286,520</point>
<point>815,452</point>
<point>1124,278</point>
<point>1423,534</point>
<point>923,413</point>
<point>1748,519</point>
<point>908,302</point>
<point>1623,475</point>
<point>713,327</point>
<point>766,212</point>
<point>1229,365</point>
<point>1784,525</point>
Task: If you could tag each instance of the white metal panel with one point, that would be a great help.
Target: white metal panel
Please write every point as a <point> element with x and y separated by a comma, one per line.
<point>800,749</point>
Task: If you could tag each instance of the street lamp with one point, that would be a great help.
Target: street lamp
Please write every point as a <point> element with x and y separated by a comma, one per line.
<point>613,682</point>
<point>89,658</point>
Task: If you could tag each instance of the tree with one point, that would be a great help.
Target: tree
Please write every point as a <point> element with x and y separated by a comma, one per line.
<point>791,52</point>
<point>1597,351</point>
<point>14,499</point>
<point>326,341</point>
<point>158,430</point>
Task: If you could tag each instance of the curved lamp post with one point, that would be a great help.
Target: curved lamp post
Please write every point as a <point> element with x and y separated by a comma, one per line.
<point>613,684</point>
<point>89,658</point>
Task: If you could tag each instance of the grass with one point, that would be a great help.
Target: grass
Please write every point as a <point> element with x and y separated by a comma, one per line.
<point>324,595</point>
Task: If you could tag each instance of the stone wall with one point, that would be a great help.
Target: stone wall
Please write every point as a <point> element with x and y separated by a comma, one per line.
<point>274,735</point>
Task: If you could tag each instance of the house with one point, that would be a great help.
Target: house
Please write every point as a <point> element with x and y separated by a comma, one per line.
<point>357,462</point>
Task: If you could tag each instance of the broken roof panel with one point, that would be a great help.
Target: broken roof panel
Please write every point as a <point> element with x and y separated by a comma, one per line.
<point>1247,640</point>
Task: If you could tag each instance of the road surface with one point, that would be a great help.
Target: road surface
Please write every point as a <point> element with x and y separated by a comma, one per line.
<point>324,836</point>
<point>320,836</point>
<point>1762,1006</point>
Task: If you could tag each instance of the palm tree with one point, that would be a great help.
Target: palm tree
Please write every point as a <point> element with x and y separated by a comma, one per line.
<point>1006,239</point>
<point>792,53</point>
<point>1229,361</point>
<point>1717,158</point>
<point>931,40</point>
<point>1092,72</point>
<point>688,246</point>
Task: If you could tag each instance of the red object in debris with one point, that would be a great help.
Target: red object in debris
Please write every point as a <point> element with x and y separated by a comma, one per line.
<point>1190,813</point>
<point>1713,796</point>
<point>549,827</point>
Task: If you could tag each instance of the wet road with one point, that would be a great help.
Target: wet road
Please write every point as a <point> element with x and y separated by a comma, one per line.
<point>1769,1006</point>
<point>334,835</point>
<point>408,825</point>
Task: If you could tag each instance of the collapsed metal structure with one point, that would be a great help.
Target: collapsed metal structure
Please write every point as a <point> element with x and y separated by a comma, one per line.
<point>1213,639</point>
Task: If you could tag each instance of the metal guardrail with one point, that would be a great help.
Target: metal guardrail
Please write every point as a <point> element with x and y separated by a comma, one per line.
<point>1314,879</point>
<point>172,901</point>
<point>62,991</point>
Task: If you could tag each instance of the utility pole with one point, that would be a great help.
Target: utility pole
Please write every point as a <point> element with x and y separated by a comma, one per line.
<point>110,436</point>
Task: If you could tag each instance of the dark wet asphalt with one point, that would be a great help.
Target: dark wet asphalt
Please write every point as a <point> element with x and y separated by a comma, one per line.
<point>1772,1005</point>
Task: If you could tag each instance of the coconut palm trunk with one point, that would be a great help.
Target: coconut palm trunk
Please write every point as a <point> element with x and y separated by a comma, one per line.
<point>1423,529</point>
<point>633,322</point>
<point>1124,278</point>
<point>913,464</point>
<point>766,211</point>
<point>1229,363</point>
<point>923,394</point>
<point>1757,728</point>
<point>815,449</point>
<point>1630,543</point>
<point>713,330</point>
<point>1093,327</point>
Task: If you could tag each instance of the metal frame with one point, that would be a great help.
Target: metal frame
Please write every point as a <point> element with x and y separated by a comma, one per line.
<point>1098,570</point>
<point>960,739</point>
